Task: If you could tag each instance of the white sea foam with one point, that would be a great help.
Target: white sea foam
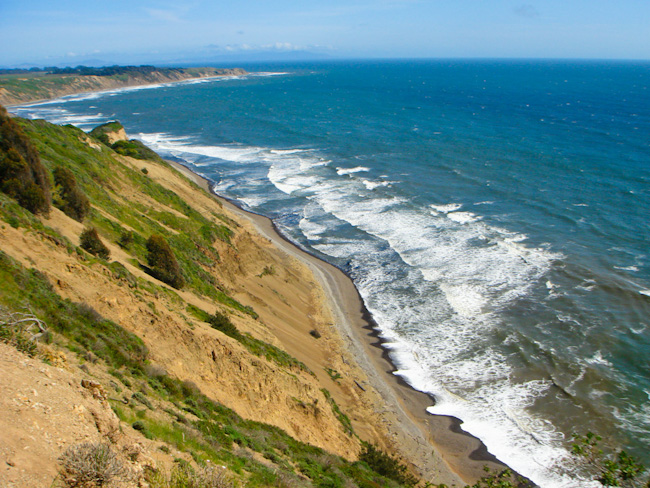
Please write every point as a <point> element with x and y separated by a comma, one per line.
<point>450,360</point>
<point>312,230</point>
<point>645,292</point>
<point>598,359</point>
<point>181,146</point>
<point>349,171</point>
<point>462,217</point>
<point>283,152</point>
<point>627,268</point>
<point>289,184</point>
<point>465,299</point>
<point>59,115</point>
<point>446,208</point>
<point>371,185</point>
<point>639,330</point>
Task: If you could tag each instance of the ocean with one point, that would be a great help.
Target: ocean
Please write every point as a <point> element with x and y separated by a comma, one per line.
<point>492,214</point>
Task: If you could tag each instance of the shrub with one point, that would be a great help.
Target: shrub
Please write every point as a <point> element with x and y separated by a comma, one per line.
<point>22,175</point>
<point>222,323</point>
<point>21,329</point>
<point>91,464</point>
<point>71,200</point>
<point>126,238</point>
<point>162,262</point>
<point>185,476</point>
<point>135,149</point>
<point>385,465</point>
<point>89,241</point>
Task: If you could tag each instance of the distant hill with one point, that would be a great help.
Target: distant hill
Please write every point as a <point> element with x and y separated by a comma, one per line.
<point>30,85</point>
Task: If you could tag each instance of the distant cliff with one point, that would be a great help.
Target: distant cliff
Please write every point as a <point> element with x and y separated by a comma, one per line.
<point>24,87</point>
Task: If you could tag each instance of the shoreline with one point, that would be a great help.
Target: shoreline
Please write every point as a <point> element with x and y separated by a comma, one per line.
<point>122,87</point>
<point>436,445</point>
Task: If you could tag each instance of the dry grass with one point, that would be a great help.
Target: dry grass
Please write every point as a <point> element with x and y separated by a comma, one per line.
<point>91,465</point>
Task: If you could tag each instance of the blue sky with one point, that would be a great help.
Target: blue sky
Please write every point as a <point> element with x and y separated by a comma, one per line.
<point>72,31</point>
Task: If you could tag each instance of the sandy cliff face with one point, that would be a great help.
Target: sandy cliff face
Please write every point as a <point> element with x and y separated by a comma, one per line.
<point>188,349</point>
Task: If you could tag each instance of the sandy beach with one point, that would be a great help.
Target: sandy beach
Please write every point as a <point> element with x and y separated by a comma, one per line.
<point>436,445</point>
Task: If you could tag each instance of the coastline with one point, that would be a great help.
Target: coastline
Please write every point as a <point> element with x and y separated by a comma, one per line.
<point>95,84</point>
<point>435,445</point>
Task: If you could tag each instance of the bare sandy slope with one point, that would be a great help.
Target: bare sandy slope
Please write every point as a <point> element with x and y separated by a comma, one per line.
<point>45,410</point>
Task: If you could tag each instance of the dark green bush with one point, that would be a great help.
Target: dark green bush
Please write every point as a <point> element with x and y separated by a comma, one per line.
<point>162,262</point>
<point>222,323</point>
<point>71,200</point>
<point>16,181</point>
<point>135,149</point>
<point>126,239</point>
<point>90,241</point>
<point>385,465</point>
<point>22,175</point>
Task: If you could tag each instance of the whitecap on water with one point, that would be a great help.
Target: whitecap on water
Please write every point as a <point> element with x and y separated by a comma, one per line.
<point>371,185</point>
<point>462,217</point>
<point>349,171</point>
<point>446,208</point>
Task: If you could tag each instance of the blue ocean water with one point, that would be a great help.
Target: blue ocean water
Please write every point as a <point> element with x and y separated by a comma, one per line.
<point>493,215</point>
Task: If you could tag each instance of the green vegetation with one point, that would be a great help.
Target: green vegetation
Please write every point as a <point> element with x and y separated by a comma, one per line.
<point>222,323</point>
<point>68,196</point>
<point>333,374</point>
<point>89,241</point>
<point>386,465</point>
<point>22,175</point>
<point>614,469</point>
<point>344,419</point>
<point>99,175</point>
<point>83,329</point>
<point>162,261</point>
<point>185,476</point>
<point>135,149</point>
<point>221,437</point>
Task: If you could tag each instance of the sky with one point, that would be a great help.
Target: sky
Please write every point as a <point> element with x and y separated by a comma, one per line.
<point>71,32</point>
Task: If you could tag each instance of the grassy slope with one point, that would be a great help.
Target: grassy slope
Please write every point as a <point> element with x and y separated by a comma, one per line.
<point>185,418</point>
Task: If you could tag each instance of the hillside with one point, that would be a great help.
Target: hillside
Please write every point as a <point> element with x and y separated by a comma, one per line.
<point>26,87</point>
<point>198,373</point>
